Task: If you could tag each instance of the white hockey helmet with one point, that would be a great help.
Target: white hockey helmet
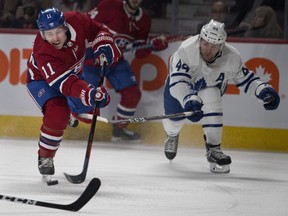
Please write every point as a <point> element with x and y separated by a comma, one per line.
<point>214,32</point>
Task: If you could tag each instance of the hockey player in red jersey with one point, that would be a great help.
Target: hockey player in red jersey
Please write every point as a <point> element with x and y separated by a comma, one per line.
<point>130,26</point>
<point>55,74</point>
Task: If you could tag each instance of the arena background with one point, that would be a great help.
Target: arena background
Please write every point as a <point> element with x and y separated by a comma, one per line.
<point>247,124</point>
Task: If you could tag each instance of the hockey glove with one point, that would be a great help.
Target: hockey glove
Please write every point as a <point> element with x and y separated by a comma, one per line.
<point>104,45</point>
<point>269,96</point>
<point>89,96</point>
<point>193,103</point>
<point>159,43</point>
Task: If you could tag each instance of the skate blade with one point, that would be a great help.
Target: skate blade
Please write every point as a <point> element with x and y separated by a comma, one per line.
<point>48,180</point>
<point>215,168</point>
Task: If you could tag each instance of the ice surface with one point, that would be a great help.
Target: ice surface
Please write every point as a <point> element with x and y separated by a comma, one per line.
<point>137,180</point>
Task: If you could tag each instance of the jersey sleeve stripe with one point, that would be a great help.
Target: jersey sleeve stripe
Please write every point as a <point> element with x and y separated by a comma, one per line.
<point>63,81</point>
<point>181,74</point>
<point>244,82</point>
<point>65,74</point>
<point>249,83</point>
<point>181,81</point>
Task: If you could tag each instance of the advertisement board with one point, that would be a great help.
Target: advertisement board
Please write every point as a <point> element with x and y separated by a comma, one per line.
<point>268,61</point>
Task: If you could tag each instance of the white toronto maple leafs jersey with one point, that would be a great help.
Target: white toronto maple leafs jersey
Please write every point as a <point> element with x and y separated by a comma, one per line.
<point>189,73</point>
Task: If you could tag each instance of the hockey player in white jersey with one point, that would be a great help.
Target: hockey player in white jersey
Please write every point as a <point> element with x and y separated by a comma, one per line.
<point>198,74</point>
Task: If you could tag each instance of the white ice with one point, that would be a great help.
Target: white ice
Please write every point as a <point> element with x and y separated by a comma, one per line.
<point>137,180</point>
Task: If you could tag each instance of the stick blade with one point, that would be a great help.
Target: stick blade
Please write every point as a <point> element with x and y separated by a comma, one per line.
<point>89,192</point>
<point>75,179</point>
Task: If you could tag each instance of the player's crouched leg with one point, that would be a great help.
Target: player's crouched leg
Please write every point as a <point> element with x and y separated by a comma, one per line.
<point>130,98</point>
<point>172,126</point>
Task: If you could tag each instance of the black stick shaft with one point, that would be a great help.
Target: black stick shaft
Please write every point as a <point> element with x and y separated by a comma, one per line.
<point>150,46</point>
<point>152,118</point>
<point>89,192</point>
<point>77,179</point>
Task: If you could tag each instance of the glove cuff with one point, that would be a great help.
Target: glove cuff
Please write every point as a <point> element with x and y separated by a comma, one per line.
<point>103,38</point>
<point>86,94</point>
<point>260,88</point>
<point>192,97</point>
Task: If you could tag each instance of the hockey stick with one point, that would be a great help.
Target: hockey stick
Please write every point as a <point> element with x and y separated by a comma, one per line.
<point>77,179</point>
<point>88,193</point>
<point>150,46</point>
<point>138,119</point>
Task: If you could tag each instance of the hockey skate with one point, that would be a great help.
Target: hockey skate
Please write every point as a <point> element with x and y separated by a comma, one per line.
<point>219,162</point>
<point>123,134</point>
<point>46,168</point>
<point>171,146</point>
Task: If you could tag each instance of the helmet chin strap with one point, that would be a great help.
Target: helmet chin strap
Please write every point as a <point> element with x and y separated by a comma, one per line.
<point>219,54</point>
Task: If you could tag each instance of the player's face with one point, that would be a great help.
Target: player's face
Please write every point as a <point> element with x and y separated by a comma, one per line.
<point>134,4</point>
<point>208,50</point>
<point>56,37</point>
<point>219,12</point>
<point>258,20</point>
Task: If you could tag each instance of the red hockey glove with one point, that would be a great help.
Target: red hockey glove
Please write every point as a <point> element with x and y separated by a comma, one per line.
<point>104,45</point>
<point>89,96</point>
<point>159,43</point>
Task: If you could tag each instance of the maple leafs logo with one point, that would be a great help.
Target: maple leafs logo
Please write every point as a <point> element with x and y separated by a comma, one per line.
<point>199,84</point>
<point>260,71</point>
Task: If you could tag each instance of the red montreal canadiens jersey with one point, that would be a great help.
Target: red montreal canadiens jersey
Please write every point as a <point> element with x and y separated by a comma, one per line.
<point>55,66</point>
<point>125,27</point>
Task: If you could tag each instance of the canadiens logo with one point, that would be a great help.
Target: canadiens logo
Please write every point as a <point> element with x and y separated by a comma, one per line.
<point>122,40</point>
<point>41,92</point>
